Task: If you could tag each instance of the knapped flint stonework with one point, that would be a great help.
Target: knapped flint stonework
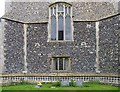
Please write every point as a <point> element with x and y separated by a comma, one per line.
<point>82,51</point>
<point>1,45</point>
<point>37,49</point>
<point>13,47</point>
<point>27,12</point>
<point>109,45</point>
<point>85,55</point>
<point>82,55</point>
<point>36,12</point>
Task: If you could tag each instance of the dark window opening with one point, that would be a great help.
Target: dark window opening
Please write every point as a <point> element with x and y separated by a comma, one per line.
<point>56,65</point>
<point>60,35</point>
<point>60,63</point>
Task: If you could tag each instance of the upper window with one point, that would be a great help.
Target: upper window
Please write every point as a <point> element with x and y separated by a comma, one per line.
<point>60,22</point>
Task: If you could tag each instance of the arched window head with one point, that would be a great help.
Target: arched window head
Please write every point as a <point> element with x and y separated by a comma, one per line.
<point>60,22</point>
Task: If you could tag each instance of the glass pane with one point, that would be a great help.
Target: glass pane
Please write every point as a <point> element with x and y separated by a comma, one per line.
<point>51,11</point>
<point>65,10</point>
<point>60,35</point>
<point>56,63</point>
<point>53,28</point>
<point>66,61</point>
<point>55,10</point>
<point>61,64</point>
<point>54,66</point>
<point>69,10</point>
<point>60,23</point>
<point>60,7</point>
<point>68,34</point>
<point>60,28</point>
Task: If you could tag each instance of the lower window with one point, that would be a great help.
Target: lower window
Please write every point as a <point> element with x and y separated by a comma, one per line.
<point>61,63</point>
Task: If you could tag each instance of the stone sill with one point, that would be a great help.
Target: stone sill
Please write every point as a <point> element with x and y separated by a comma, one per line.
<point>63,74</point>
<point>60,41</point>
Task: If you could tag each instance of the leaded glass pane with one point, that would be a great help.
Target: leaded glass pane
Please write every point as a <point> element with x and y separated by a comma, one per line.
<point>56,63</point>
<point>51,11</point>
<point>68,33</point>
<point>60,35</point>
<point>60,23</point>
<point>66,63</point>
<point>60,7</point>
<point>53,28</point>
<point>53,64</point>
<point>55,10</point>
<point>69,10</point>
<point>60,28</point>
<point>60,63</point>
<point>65,10</point>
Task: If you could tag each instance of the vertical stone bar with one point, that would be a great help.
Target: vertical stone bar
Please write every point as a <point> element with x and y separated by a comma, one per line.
<point>97,47</point>
<point>63,63</point>
<point>58,60</point>
<point>58,63</point>
<point>119,33</point>
<point>64,22</point>
<point>49,26</point>
<point>25,48</point>
<point>52,64</point>
<point>69,68</point>
<point>72,28</point>
<point>2,22</point>
<point>56,22</point>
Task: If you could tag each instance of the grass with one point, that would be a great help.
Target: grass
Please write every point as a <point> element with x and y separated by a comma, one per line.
<point>86,86</point>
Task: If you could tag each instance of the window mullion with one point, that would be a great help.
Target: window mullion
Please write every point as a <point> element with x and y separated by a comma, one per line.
<point>53,63</point>
<point>56,22</point>
<point>71,22</point>
<point>64,21</point>
<point>69,61</point>
<point>53,10</point>
<point>58,60</point>
<point>49,25</point>
<point>63,64</point>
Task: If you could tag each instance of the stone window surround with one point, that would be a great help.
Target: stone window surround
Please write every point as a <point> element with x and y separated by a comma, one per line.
<point>49,23</point>
<point>63,57</point>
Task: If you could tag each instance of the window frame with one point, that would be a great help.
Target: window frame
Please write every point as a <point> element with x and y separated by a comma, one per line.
<point>55,5</point>
<point>58,66</point>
